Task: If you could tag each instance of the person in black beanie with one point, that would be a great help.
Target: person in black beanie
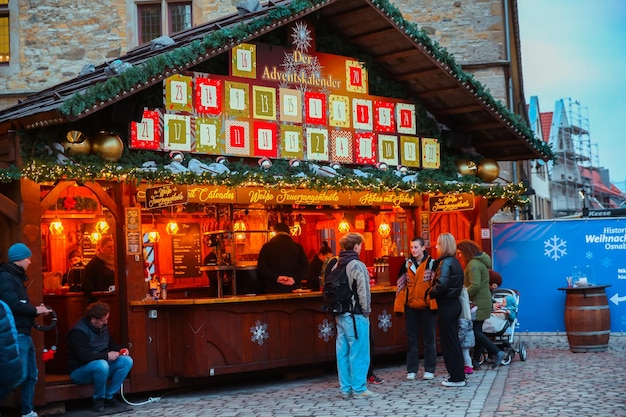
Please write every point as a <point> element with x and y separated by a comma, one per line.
<point>15,294</point>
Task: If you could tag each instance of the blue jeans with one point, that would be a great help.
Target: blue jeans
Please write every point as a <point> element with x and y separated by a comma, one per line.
<point>425,321</point>
<point>99,371</point>
<point>30,373</point>
<point>353,354</point>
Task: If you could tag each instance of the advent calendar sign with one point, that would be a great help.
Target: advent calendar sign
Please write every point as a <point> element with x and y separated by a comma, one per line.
<point>146,134</point>
<point>285,103</point>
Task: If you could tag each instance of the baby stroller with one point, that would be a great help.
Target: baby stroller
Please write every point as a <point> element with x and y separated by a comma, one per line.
<point>500,327</point>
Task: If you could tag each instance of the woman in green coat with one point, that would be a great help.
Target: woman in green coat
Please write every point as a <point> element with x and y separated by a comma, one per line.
<point>476,265</point>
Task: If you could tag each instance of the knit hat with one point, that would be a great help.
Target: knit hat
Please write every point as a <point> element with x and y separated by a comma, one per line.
<point>19,251</point>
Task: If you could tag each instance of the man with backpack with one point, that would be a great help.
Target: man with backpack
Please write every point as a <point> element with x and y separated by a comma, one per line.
<point>347,297</point>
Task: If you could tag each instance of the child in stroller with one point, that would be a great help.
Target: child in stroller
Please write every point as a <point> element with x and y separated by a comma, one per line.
<point>500,327</point>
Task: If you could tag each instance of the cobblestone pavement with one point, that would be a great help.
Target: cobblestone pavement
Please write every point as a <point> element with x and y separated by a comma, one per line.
<point>552,382</point>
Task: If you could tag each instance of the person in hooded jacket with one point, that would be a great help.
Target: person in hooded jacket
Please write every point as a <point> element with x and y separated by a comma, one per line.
<point>15,294</point>
<point>476,278</point>
<point>10,361</point>
<point>446,289</point>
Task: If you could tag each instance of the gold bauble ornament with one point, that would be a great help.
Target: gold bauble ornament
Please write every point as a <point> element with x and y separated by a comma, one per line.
<point>488,170</point>
<point>466,167</point>
<point>76,143</point>
<point>108,145</point>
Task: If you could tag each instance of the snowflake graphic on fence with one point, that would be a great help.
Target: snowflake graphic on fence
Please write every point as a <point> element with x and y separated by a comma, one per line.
<point>384,321</point>
<point>326,330</point>
<point>555,248</point>
<point>259,332</point>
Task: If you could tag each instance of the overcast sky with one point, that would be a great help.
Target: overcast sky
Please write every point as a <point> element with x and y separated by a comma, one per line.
<point>576,49</point>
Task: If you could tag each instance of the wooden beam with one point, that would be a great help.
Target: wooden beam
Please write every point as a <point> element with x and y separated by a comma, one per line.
<point>463,109</point>
<point>374,35</point>
<point>417,74</point>
<point>437,92</point>
<point>9,208</point>
<point>397,55</point>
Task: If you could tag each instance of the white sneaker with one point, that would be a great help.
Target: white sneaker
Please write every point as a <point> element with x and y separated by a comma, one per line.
<point>31,414</point>
<point>447,383</point>
<point>364,394</point>
<point>428,375</point>
<point>410,376</point>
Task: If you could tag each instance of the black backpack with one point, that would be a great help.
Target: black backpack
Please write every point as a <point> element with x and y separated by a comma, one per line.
<point>338,298</point>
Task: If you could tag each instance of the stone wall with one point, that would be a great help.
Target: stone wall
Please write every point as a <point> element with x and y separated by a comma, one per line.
<point>58,37</point>
<point>472,30</point>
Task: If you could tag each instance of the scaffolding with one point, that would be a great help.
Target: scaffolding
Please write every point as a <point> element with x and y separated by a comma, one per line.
<point>573,149</point>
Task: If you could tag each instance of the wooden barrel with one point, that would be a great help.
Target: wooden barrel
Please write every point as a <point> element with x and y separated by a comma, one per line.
<point>587,319</point>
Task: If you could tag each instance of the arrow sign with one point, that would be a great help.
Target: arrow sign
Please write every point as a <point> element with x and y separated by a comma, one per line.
<point>616,299</point>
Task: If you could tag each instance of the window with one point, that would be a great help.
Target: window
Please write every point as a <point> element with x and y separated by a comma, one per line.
<point>5,44</point>
<point>153,20</point>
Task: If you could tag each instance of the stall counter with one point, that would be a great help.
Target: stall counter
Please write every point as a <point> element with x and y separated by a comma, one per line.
<point>204,337</point>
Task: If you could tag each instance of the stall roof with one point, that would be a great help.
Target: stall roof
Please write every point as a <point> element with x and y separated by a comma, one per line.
<point>452,96</point>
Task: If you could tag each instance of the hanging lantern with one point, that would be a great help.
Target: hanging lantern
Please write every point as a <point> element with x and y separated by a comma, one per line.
<point>56,227</point>
<point>296,229</point>
<point>153,236</point>
<point>95,237</point>
<point>344,226</point>
<point>102,226</point>
<point>384,229</point>
<point>172,227</point>
<point>240,226</point>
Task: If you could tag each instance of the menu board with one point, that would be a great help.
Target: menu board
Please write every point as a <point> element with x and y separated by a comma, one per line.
<point>187,250</point>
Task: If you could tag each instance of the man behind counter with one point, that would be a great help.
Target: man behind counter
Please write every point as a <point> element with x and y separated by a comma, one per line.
<point>99,274</point>
<point>282,263</point>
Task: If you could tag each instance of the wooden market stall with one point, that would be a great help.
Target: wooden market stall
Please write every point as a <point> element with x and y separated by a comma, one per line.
<point>202,145</point>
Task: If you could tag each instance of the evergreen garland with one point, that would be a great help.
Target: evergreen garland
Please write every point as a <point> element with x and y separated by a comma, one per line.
<point>43,167</point>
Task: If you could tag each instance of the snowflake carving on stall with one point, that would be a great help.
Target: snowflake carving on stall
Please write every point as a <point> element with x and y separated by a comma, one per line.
<point>555,248</point>
<point>259,332</point>
<point>301,37</point>
<point>384,321</point>
<point>326,330</point>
